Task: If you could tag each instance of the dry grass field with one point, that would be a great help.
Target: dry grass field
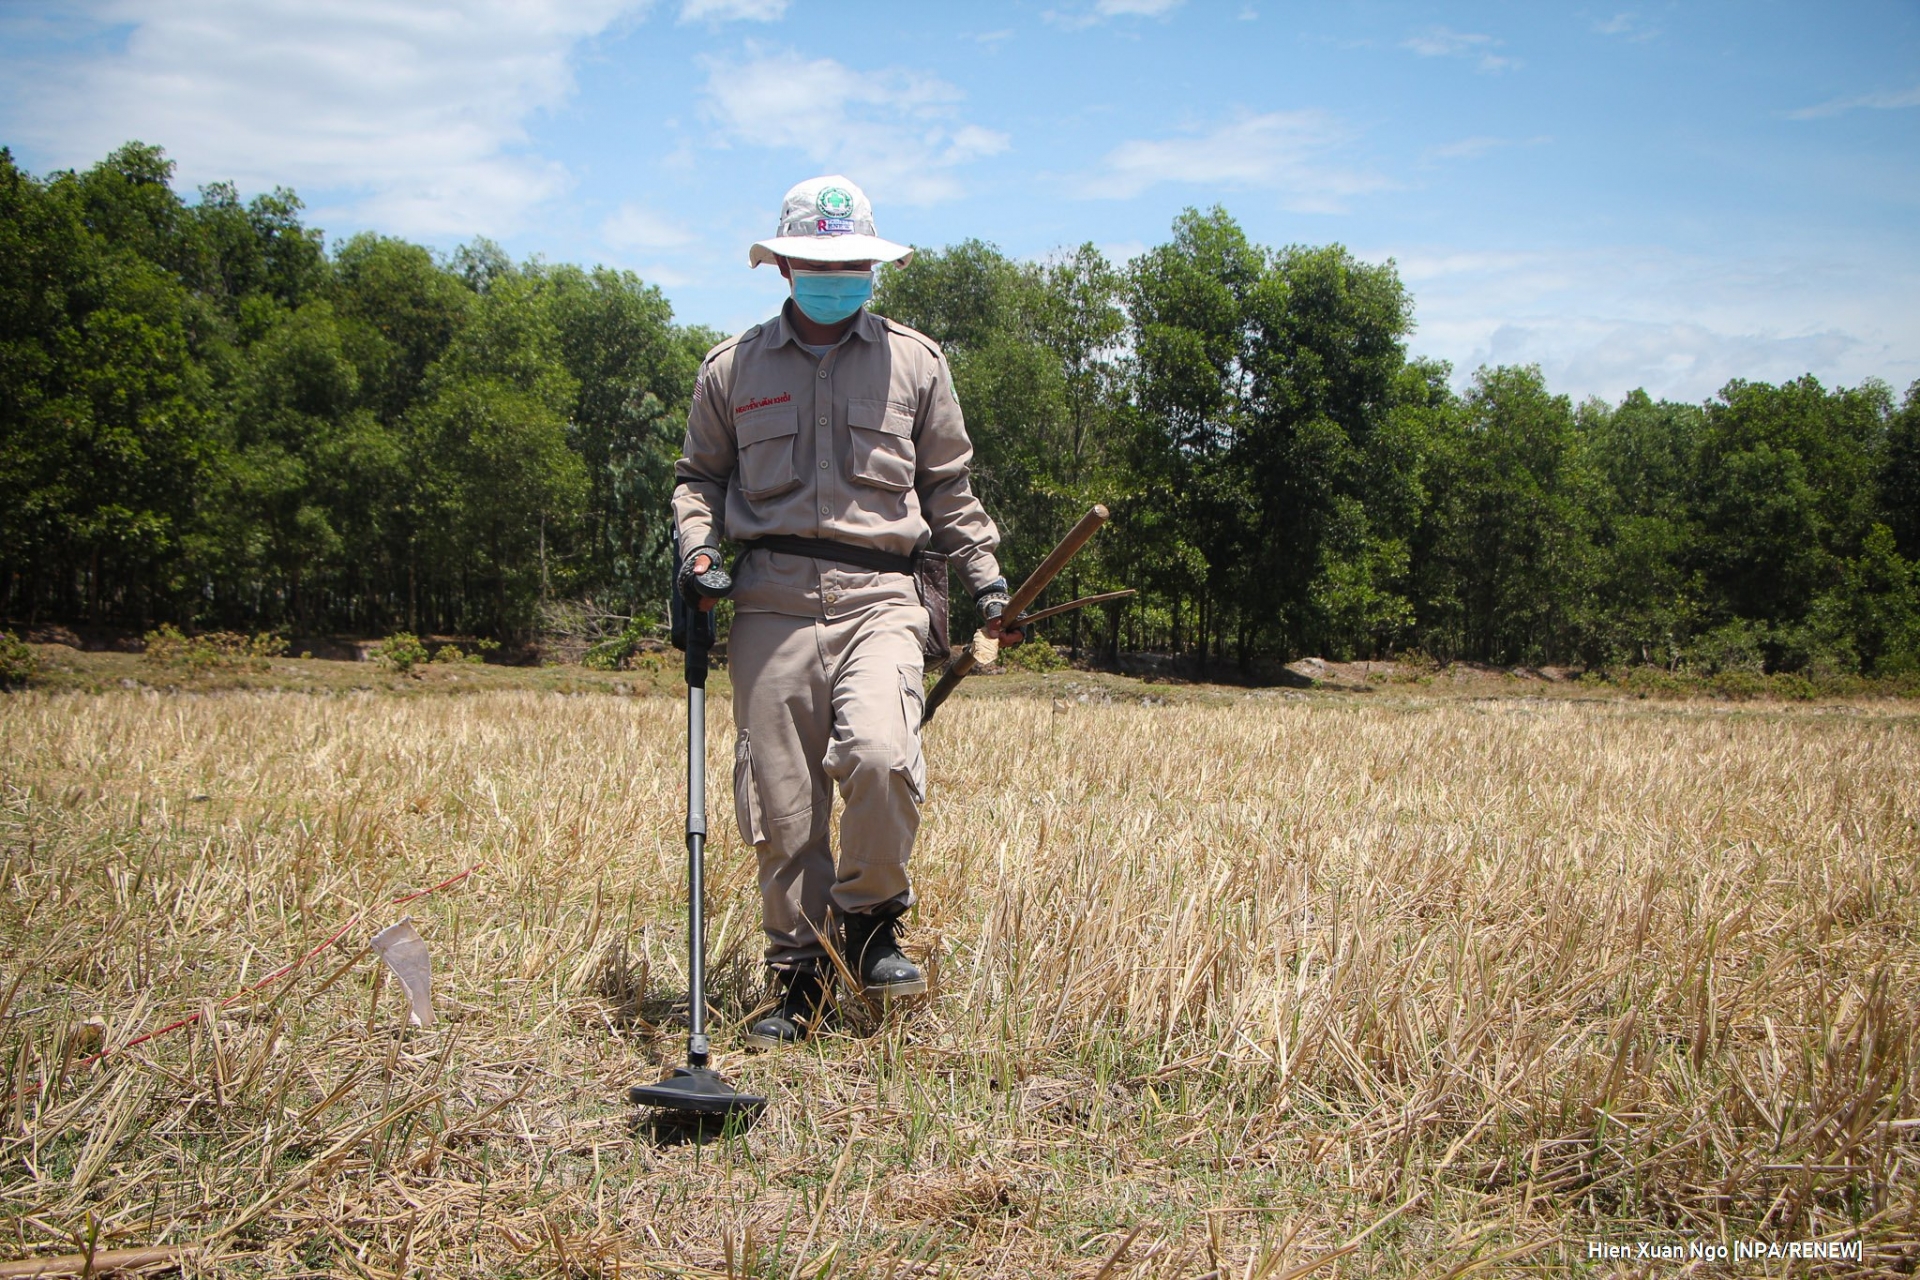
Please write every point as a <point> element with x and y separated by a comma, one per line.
<point>1228,984</point>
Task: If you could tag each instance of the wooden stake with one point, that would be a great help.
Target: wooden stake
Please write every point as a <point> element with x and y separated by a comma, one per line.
<point>109,1262</point>
<point>1029,591</point>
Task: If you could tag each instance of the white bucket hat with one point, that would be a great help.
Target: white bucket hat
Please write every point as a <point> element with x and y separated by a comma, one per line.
<point>827,220</point>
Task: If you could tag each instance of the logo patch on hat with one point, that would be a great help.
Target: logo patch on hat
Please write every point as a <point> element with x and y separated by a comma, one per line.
<point>834,202</point>
<point>833,226</point>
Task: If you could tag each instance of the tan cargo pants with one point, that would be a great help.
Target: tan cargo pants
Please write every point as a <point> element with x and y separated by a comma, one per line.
<point>832,698</point>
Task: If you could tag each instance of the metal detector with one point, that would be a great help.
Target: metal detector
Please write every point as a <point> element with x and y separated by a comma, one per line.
<point>696,1089</point>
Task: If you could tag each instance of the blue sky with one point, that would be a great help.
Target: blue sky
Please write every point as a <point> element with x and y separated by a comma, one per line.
<point>1664,196</point>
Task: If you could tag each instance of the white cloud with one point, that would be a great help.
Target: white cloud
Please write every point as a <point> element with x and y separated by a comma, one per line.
<point>1629,24</point>
<point>1103,10</point>
<point>1443,42</point>
<point>1283,151</point>
<point>897,133</point>
<point>1604,321</point>
<point>670,275</point>
<point>1439,42</point>
<point>1679,361</point>
<point>633,227</point>
<point>733,10</point>
<point>1469,148</point>
<point>414,113</point>
<point>1885,100</point>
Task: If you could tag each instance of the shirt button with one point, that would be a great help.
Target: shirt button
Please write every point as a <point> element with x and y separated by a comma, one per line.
<point>823,371</point>
<point>826,511</point>
<point>823,422</point>
<point>823,464</point>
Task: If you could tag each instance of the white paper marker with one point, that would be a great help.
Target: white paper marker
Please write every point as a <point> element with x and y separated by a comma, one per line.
<point>405,952</point>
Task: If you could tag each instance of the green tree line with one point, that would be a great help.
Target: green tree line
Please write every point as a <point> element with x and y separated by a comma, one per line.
<point>212,418</point>
<point>1286,479</point>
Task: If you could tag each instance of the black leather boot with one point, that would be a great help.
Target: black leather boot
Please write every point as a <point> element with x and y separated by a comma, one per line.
<point>802,1007</point>
<point>872,950</point>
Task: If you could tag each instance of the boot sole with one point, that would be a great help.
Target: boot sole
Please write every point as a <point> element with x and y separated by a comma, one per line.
<point>918,987</point>
<point>764,1043</point>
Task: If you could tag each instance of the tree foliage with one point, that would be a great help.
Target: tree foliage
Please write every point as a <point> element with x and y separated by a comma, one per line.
<point>211,419</point>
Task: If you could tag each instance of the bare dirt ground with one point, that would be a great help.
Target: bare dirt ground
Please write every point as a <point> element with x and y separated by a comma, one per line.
<point>1228,982</point>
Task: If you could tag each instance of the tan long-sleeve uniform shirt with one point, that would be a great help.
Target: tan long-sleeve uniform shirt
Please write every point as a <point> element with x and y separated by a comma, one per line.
<point>864,446</point>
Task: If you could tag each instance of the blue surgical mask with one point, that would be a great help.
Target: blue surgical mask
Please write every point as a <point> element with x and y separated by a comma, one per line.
<point>828,297</point>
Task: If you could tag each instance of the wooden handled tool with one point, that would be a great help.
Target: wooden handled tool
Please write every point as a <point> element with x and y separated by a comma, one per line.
<point>1029,591</point>
<point>1053,611</point>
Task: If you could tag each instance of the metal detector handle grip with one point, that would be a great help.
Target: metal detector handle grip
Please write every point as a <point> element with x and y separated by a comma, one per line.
<point>696,624</point>
<point>714,584</point>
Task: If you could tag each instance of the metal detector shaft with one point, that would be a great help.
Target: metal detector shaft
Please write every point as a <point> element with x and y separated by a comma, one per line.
<point>697,1044</point>
<point>697,625</point>
<point>696,1090</point>
<point>1029,591</point>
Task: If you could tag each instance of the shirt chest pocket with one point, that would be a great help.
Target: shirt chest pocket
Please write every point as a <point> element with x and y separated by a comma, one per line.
<point>766,440</point>
<point>882,444</point>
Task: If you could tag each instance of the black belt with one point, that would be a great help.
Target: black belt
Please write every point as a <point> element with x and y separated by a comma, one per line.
<point>827,549</point>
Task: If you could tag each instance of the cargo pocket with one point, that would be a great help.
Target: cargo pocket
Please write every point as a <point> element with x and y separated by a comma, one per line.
<point>746,796</point>
<point>766,440</point>
<point>913,701</point>
<point>882,444</point>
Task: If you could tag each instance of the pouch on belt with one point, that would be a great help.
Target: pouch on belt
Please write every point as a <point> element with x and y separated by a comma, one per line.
<point>930,576</point>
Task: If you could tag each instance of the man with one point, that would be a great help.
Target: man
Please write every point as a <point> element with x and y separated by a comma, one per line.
<point>829,442</point>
